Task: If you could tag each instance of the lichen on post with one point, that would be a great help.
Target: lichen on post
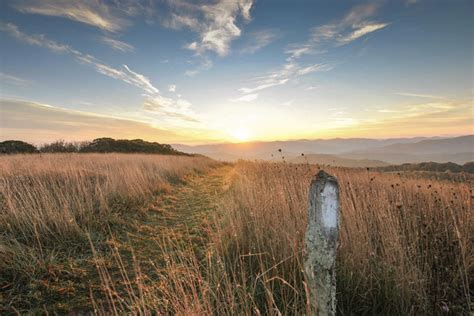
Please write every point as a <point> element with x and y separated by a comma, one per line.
<point>321,243</point>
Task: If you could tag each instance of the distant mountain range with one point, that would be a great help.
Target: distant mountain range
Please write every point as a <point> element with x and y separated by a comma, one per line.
<point>351,152</point>
<point>333,160</point>
<point>468,167</point>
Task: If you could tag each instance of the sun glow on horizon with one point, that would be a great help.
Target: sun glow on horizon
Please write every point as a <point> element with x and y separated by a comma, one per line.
<point>241,134</point>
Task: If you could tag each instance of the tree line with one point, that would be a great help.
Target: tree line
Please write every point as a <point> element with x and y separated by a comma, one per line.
<point>98,145</point>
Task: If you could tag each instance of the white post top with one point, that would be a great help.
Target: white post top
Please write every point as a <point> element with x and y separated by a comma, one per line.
<point>329,206</point>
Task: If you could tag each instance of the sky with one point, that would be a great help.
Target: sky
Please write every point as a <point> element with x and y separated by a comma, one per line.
<point>193,72</point>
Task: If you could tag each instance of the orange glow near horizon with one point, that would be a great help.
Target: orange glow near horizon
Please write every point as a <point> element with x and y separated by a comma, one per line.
<point>233,127</point>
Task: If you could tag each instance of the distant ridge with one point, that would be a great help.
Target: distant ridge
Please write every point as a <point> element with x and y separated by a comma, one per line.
<point>457,149</point>
<point>392,151</point>
<point>333,160</point>
<point>430,146</point>
<point>468,167</point>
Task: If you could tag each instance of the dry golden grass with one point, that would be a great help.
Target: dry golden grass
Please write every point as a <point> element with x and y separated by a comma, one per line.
<point>405,243</point>
<point>405,248</point>
<point>61,196</point>
<point>51,204</point>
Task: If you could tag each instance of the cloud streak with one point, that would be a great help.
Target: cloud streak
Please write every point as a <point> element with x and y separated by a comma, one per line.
<point>281,76</point>
<point>117,45</point>
<point>258,40</point>
<point>362,31</point>
<point>166,107</point>
<point>246,98</point>
<point>443,117</point>
<point>215,23</point>
<point>36,122</point>
<point>37,39</point>
<point>204,63</point>
<point>355,24</point>
<point>418,95</point>
<point>10,79</point>
<point>92,12</point>
<point>172,110</point>
<point>125,75</point>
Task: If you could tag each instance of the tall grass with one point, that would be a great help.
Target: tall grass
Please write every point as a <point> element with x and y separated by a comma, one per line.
<point>58,197</point>
<point>51,204</point>
<point>405,248</point>
<point>406,244</point>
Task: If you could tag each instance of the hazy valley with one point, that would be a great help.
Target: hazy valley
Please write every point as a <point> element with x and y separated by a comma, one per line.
<point>347,152</point>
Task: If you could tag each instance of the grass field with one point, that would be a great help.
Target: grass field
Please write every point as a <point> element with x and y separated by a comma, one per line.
<point>186,235</point>
<point>54,206</point>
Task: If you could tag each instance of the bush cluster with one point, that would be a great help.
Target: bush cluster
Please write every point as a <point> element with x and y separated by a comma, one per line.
<point>98,145</point>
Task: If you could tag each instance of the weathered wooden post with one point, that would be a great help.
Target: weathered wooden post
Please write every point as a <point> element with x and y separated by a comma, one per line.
<point>321,243</point>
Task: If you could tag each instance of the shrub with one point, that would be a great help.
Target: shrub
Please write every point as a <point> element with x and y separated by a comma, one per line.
<point>16,147</point>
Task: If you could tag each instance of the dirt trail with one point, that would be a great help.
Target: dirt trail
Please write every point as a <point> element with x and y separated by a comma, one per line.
<point>182,212</point>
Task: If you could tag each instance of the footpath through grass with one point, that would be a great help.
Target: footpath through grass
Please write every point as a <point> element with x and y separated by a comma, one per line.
<point>137,247</point>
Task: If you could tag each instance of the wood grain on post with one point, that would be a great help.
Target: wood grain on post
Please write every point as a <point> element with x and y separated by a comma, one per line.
<point>321,243</point>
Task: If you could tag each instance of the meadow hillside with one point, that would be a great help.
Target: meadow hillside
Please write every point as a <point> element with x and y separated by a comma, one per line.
<point>144,234</point>
<point>53,206</point>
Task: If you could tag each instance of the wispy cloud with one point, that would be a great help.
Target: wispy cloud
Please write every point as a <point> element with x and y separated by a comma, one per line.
<point>125,74</point>
<point>281,76</point>
<point>117,45</point>
<point>140,81</point>
<point>37,39</point>
<point>246,98</point>
<point>388,111</point>
<point>203,63</point>
<point>425,108</point>
<point>216,22</point>
<point>264,84</point>
<point>298,50</point>
<point>31,121</point>
<point>313,68</point>
<point>258,40</point>
<point>355,24</point>
<point>97,13</point>
<point>154,100</point>
<point>10,79</point>
<point>170,109</point>
<point>85,103</point>
<point>430,107</point>
<point>418,95</point>
<point>448,116</point>
<point>172,88</point>
<point>338,111</point>
<point>443,117</point>
<point>364,30</point>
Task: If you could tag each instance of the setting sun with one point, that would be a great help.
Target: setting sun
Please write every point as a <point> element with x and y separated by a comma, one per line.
<point>241,134</point>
